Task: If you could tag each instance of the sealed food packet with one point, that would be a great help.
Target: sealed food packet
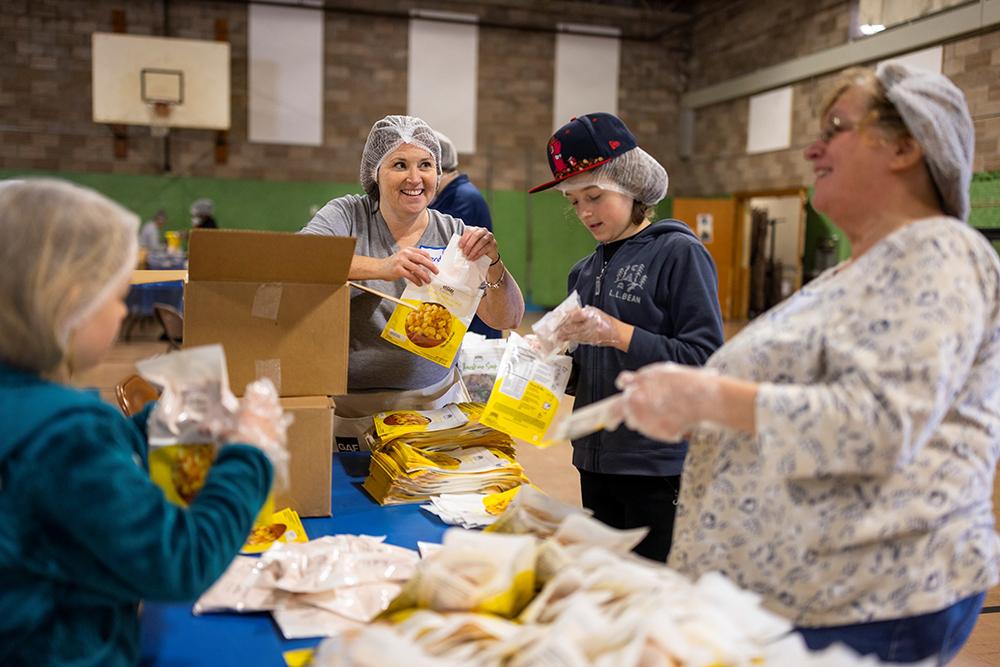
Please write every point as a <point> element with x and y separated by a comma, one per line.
<point>527,391</point>
<point>196,413</point>
<point>475,572</point>
<point>478,363</point>
<point>284,526</point>
<point>391,425</point>
<point>445,307</point>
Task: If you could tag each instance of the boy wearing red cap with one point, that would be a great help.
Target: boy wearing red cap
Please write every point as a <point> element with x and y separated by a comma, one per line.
<point>649,293</point>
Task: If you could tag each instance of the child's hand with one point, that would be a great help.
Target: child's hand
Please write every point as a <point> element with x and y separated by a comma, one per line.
<point>260,421</point>
<point>589,326</point>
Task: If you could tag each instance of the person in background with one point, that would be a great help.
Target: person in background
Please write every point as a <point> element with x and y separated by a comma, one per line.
<point>844,444</point>
<point>649,293</point>
<point>460,199</point>
<point>150,234</point>
<point>202,211</point>
<point>86,534</point>
<point>396,233</point>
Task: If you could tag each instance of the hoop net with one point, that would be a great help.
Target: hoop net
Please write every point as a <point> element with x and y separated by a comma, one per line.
<point>159,118</point>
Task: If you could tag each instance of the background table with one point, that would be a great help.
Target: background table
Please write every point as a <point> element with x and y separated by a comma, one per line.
<point>173,637</point>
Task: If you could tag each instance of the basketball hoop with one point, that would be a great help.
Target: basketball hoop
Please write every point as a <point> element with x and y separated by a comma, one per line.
<point>159,118</point>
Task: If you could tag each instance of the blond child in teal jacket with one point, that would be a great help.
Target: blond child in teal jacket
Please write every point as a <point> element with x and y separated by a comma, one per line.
<point>85,533</point>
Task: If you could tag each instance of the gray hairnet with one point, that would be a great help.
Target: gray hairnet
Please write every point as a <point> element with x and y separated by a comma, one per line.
<point>449,156</point>
<point>635,174</point>
<point>203,206</point>
<point>389,134</point>
<point>936,114</point>
<point>64,249</point>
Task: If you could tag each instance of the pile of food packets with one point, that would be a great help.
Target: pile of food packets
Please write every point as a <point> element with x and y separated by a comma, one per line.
<point>471,510</point>
<point>317,588</point>
<point>578,598</point>
<point>417,454</point>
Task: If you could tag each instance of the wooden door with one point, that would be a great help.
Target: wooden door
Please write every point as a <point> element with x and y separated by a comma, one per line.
<point>714,220</point>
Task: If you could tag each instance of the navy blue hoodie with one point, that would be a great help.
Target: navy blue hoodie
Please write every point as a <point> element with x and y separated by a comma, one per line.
<point>663,282</point>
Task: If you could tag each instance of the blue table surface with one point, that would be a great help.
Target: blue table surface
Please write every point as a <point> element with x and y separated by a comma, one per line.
<point>172,636</point>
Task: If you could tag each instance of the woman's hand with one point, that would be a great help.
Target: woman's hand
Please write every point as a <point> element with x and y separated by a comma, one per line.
<point>664,401</point>
<point>410,263</point>
<point>479,241</point>
<point>592,326</point>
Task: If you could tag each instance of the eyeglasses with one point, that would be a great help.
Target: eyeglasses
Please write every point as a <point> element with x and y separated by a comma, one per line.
<point>834,126</point>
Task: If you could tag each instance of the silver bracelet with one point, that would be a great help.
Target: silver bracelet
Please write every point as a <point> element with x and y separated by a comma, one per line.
<point>499,280</point>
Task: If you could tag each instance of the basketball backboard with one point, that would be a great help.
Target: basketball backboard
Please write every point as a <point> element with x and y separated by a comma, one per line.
<point>160,81</point>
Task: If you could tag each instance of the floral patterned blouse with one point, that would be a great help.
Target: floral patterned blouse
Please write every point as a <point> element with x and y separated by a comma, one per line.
<point>866,493</point>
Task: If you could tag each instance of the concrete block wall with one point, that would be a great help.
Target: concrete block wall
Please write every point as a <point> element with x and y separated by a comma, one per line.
<point>45,95</point>
<point>733,38</point>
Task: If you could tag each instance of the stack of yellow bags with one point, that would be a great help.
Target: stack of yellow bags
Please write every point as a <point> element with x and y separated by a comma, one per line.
<point>418,454</point>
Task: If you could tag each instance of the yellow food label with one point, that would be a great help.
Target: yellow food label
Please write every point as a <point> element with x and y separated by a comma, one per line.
<point>284,526</point>
<point>429,331</point>
<point>181,470</point>
<point>496,503</point>
<point>391,425</point>
<point>527,417</point>
<point>299,657</point>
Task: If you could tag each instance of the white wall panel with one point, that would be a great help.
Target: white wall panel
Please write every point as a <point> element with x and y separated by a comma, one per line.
<point>770,125</point>
<point>442,77</point>
<point>285,54</point>
<point>586,75</point>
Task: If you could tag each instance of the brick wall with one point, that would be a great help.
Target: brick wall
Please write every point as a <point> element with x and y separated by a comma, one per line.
<point>733,38</point>
<point>45,93</point>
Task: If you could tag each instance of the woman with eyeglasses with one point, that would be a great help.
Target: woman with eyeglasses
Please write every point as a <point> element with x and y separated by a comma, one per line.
<point>843,445</point>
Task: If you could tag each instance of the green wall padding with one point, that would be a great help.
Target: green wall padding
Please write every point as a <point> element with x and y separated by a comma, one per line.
<point>985,199</point>
<point>509,226</point>
<point>558,241</point>
<point>239,204</point>
<point>818,226</point>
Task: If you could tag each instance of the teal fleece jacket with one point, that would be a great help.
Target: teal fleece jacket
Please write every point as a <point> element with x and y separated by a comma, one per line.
<point>85,534</point>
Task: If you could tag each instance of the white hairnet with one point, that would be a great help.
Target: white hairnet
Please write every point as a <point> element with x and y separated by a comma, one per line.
<point>203,206</point>
<point>635,174</point>
<point>449,156</point>
<point>64,249</point>
<point>936,114</point>
<point>386,136</point>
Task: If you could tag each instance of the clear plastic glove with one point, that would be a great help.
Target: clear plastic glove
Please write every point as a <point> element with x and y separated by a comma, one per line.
<point>260,421</point>
<point>589,326</point>
<point>546,339</point>
<point>665,401</point>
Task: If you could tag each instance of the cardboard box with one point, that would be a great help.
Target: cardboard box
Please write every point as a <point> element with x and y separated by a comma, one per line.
<point>276,302</point>
<point>310,446</point>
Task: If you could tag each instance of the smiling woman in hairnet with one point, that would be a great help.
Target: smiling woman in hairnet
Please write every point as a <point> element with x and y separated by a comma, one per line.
<point>396,234</point>
<point>843,445</point>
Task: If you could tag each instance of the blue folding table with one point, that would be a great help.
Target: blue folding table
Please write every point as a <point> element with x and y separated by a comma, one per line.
<point>173,637</point>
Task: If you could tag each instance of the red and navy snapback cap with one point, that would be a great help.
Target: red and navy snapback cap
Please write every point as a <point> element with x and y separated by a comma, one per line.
<point>583,143</point>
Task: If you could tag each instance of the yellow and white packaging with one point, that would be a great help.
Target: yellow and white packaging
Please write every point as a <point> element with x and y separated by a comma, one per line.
<point>478,363</point>
<point>284,526</point>
<point>475,572</point>
<point>195,409</point>
<point>527,391</point>
<point>444,308</point>
<point>392,424</point>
